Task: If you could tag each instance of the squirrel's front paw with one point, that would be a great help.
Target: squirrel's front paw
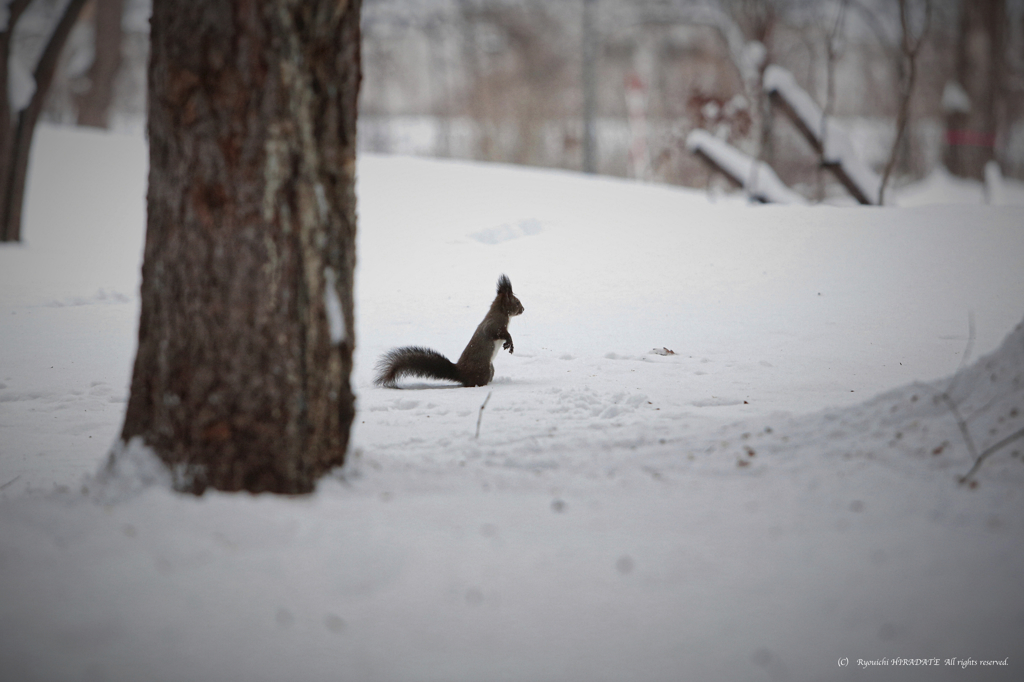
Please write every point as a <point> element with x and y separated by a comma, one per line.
<point>508,346</point>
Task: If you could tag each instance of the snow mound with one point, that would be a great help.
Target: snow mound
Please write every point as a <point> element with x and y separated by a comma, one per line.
<point>917,428</point>
<point>986,396</point>
<point>130,469</point>
<point>989,396</point>
<point>913,431</point>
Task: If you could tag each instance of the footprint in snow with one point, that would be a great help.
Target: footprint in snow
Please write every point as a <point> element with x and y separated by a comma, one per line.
<point>716,402</point>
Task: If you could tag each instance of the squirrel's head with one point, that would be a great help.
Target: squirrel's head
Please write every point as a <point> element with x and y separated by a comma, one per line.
<point>506,300</point>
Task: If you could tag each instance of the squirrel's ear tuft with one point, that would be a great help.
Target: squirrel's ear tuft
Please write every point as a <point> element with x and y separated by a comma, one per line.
<point>504,285</point>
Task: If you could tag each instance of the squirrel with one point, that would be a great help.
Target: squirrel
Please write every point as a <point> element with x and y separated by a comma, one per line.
<point>475,366</point>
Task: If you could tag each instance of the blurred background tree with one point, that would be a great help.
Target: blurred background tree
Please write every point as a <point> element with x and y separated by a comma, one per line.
<point>506,81</point>
<point>25,78</point>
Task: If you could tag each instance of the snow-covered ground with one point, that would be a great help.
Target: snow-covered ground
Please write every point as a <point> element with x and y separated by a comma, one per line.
<point>775,497</point>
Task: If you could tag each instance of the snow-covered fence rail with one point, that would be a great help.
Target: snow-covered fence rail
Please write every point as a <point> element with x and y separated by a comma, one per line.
<point>756,178</point>
<point>828,139</point>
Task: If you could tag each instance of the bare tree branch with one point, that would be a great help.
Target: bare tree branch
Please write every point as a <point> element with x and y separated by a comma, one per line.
<point>910,47</point>
<point>833,52</point>
<point>968,441</point>
<point>989,451</point>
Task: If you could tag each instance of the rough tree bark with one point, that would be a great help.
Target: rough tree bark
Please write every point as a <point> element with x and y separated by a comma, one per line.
<point>241,381</point>
<point>94,103</point>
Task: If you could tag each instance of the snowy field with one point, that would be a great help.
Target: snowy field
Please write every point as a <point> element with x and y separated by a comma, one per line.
<point>775,497</point>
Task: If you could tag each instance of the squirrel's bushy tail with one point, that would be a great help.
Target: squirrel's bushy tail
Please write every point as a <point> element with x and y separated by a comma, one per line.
<point>415,361</point>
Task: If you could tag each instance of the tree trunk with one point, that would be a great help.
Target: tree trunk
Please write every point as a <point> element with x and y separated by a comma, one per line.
<point>14,11</point>
<point>94,103</point>
<point>16,131</point>
<point>241,381</point>
<point>979,70</point>
<point>589,82</point>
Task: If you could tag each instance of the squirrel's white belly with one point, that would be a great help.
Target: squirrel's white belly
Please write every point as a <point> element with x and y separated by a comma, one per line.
<point>497,346</point>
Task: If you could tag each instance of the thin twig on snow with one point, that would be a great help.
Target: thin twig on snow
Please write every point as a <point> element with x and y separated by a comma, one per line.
<point>481,415</point>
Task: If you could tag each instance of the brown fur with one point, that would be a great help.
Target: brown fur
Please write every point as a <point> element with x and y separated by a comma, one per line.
<point>474,367</point>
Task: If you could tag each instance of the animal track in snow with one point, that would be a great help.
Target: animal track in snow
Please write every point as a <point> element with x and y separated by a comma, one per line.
<point>102,296</point>
<point>715,401</point>
<point>507,232</point>
<point>585,403</point>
